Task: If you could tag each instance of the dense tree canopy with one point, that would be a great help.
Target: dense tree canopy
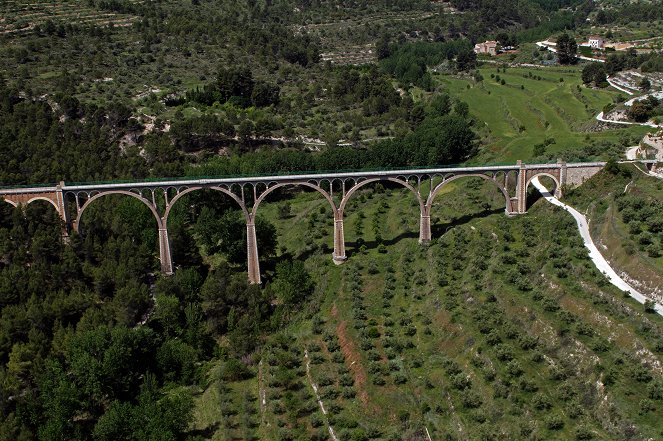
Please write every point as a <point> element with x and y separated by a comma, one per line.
<point>566,49</point>
<point>594,73</point>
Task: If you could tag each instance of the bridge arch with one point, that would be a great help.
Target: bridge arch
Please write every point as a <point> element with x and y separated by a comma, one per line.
<point>549,175</point>
<point>192,189</point>
<point>43,198</point>
<point>438,188</point>
<point>286,184</point>
<point>108,193</point>
<point>361,184</point>
<point>10,202</point>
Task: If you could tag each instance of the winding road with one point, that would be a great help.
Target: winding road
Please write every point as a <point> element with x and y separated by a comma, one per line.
<point>594,253</point>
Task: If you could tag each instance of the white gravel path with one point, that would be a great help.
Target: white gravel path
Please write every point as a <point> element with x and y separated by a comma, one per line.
<point>632,153</point>
<point>614,84</point>
<point>594,253</point>
<point>601,117</point>
<point>317,395</point>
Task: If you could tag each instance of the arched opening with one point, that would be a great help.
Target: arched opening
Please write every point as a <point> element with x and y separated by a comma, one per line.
<point>462,198</point>
<point>7,209</point>
<point>380,212</point>
<point>119,244</point>
<point>37,211</point>
<point>114,227</point>
<point>207,226</point>
<point>37,228</point>
<point>547,180</point>
<point>45,199</point>
<point>303,214</point>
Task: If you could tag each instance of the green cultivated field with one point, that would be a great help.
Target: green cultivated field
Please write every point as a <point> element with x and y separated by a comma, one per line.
<point>489,333</point>
<point>517,118</point>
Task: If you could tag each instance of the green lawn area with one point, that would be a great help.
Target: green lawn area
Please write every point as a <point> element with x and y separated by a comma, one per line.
<point>526,111</point>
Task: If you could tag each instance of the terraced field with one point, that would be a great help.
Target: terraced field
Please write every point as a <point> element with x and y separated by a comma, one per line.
<point>351,40</point>
<point>19,16</point>
<point>534,105</point>
<point>489,333</point>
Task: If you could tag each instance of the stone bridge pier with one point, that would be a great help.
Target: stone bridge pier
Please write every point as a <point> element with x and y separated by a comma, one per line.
<point>336,188</point>
<point>339,238</point>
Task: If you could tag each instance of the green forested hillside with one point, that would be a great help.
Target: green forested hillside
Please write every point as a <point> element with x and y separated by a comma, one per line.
<point>501,328</point>
<point>492,331</point>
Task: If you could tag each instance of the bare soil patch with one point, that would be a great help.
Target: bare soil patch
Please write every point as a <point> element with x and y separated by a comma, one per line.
<point>352,358</point>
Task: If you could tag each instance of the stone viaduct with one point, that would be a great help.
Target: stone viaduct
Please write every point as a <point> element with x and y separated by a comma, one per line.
<point>512,181</point>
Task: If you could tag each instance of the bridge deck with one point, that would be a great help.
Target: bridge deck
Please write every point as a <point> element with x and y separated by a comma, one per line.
<point>288,178</point>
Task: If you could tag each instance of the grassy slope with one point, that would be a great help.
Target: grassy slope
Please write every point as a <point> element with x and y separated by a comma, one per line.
<point>517,118</point>
<point>620,247</point>
<point>489,302</point>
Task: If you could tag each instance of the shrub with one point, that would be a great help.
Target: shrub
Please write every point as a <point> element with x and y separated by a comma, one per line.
<point>655,390</point>
<point>394,366</point>
<point>278,409</point>
<point>235,370</point>
<point>379,381</point>
<point>338,358</point>
<point>537,357</point>
<point>330,394</point>
<point>641,374</point>
<point>373,356</point>
<point>504,352</point>
<point>471,400</point>
<point>410,330</point>
<point>346,380</point>
<point>550,304</point>
<point>584,329</point>
<point>646,406</point>
<point>514,368</point>
<point>373,332</point>
<point>461,381</point>
<point>575,410</point>
<point>649,306</point>
<point>320,435</point>
<point>527,342</point>
<point>317,359</point>
<point>527,385</point>
<point>358,435</point>
<point>316,421</point>
<point>583,433</point>
<point>400,379</point>
<point>541,402</point>
<point>554,422</point>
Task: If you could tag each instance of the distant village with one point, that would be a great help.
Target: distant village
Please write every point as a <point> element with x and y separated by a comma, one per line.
<point>593,42</point>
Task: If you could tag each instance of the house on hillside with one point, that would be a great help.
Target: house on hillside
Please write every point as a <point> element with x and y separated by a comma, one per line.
<point>596,42</point>
<point>487,47</point>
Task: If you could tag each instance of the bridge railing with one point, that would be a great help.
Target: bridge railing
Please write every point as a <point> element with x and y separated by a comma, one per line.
<point>313,174</point>
<point>320,173</point>
<point>27,186</point>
